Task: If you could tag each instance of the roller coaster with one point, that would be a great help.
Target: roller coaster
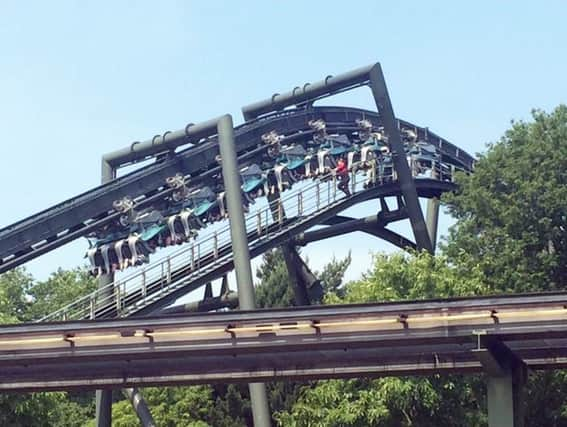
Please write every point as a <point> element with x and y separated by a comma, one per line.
<point>286,153</point>
<point>310,163</point>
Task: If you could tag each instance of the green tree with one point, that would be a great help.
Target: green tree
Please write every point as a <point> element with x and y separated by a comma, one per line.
<point>60,289</point>
<point>18,303</point>
<point>451,401</point>
<point>510,235</point>
<point>170,406</point>
<point>512,212</point>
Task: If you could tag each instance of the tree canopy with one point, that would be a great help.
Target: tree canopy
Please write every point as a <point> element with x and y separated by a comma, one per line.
<point>511,214</point>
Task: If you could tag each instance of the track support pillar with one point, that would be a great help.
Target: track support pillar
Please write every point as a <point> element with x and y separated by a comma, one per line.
<point>241,253</point>
<point>142,411</point>
<point>506,375</point>
<point>505,395</point>
<point>432,219</point>
<point>407,185</point>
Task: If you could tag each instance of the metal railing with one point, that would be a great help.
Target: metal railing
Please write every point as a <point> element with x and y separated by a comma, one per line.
<point>195,259</point>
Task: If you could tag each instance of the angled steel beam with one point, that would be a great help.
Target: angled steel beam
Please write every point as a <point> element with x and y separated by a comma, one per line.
<point>306,285</point>
<point>371,225</point>
<point>229,300</point>
<point>384,106</point>
<point>372,76</point>
<point>142,411</point>
<point>432,216</point>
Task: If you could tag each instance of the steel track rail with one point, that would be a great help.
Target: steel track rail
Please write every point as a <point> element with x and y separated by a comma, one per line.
<point>76,217</point>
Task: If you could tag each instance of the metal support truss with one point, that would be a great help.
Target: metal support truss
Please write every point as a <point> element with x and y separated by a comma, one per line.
<point>372,76</point>
<point>372,225</point>
<point>506,376</point>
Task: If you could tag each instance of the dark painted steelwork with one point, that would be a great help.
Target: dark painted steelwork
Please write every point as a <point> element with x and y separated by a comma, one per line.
<point>305,284</point>
<point>384,105</point>
<point>103,408</point>
<point>229,300</point>
<point>278,236</point>
<point>103,398</point>
<point>432,218</point>
<point>374,77</point>
<point>168,142</point>
<point>331,85</point>
<point>424,337</point>
<point>240,251</point>
<point>372,225</point>
<point>144,415</point>
<point>76,217</point>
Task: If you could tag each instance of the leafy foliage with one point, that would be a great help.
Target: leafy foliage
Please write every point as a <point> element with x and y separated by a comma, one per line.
<point>61,288</point>
<point>512,212</point>
<point>510,235</point>
<point>23,300</point>
<point>395,401</point>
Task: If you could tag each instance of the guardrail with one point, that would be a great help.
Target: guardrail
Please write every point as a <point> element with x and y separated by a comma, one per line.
<point>214,248</point>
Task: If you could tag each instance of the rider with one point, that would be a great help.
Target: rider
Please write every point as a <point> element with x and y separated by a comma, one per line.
<point>342,175</point>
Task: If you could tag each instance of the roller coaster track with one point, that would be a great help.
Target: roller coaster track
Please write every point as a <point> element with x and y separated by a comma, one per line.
<point>76,217</point>
<point>208,258</point>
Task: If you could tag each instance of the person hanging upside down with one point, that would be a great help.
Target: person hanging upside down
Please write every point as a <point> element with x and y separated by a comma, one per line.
<point>343,176</point>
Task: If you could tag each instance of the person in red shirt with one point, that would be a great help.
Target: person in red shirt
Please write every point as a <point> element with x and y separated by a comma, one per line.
<point>342,175</point>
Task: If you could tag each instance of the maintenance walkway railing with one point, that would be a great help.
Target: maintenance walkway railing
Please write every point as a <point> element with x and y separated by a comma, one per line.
<point>208,257</point>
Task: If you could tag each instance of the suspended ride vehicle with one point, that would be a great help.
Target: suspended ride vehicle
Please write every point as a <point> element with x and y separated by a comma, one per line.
<point>254,182</point>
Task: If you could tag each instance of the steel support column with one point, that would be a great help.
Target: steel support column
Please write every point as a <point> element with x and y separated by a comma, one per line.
<point>142,411</point>
<point>241,254</point>
<point>303,279</point>
<point>407,185</point>
<point>103,398</point>
<point>103,408</point>
<point>432,216</point>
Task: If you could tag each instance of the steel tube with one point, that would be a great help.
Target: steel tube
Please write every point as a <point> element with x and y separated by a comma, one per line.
<point>308,92</point>
<point>432,219</point>
<point>241,253</point>
<point>169,141</point>
<point>228,300</point>
<point>142,411</point>
<point>103,398</point>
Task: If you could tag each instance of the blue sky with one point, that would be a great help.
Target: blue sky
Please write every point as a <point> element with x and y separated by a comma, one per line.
<point>81,78</point>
